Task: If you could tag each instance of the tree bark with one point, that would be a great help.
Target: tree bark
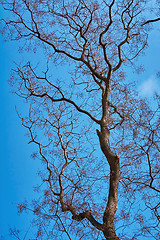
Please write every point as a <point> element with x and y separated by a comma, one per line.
<point>111,208</point>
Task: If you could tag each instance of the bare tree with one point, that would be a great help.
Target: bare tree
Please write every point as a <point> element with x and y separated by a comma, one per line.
<point>95,137</point>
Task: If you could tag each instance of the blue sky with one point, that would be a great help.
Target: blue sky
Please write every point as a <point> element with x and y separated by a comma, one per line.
<point>18,172</point>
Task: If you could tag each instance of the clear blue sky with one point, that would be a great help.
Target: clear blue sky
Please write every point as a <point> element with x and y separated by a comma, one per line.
<point>18,170</point>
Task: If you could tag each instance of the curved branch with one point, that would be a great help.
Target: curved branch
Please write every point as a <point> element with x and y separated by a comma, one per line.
<point>88,215</point>
<point>103,44</point>
<point>66,100</point>
<point>151,21</point>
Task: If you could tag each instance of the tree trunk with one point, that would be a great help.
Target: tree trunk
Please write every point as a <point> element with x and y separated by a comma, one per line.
<point>109,214</point>
<point>113,160</point>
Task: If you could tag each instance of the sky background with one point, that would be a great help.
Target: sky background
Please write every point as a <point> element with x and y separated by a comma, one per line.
<point>18,172</point>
